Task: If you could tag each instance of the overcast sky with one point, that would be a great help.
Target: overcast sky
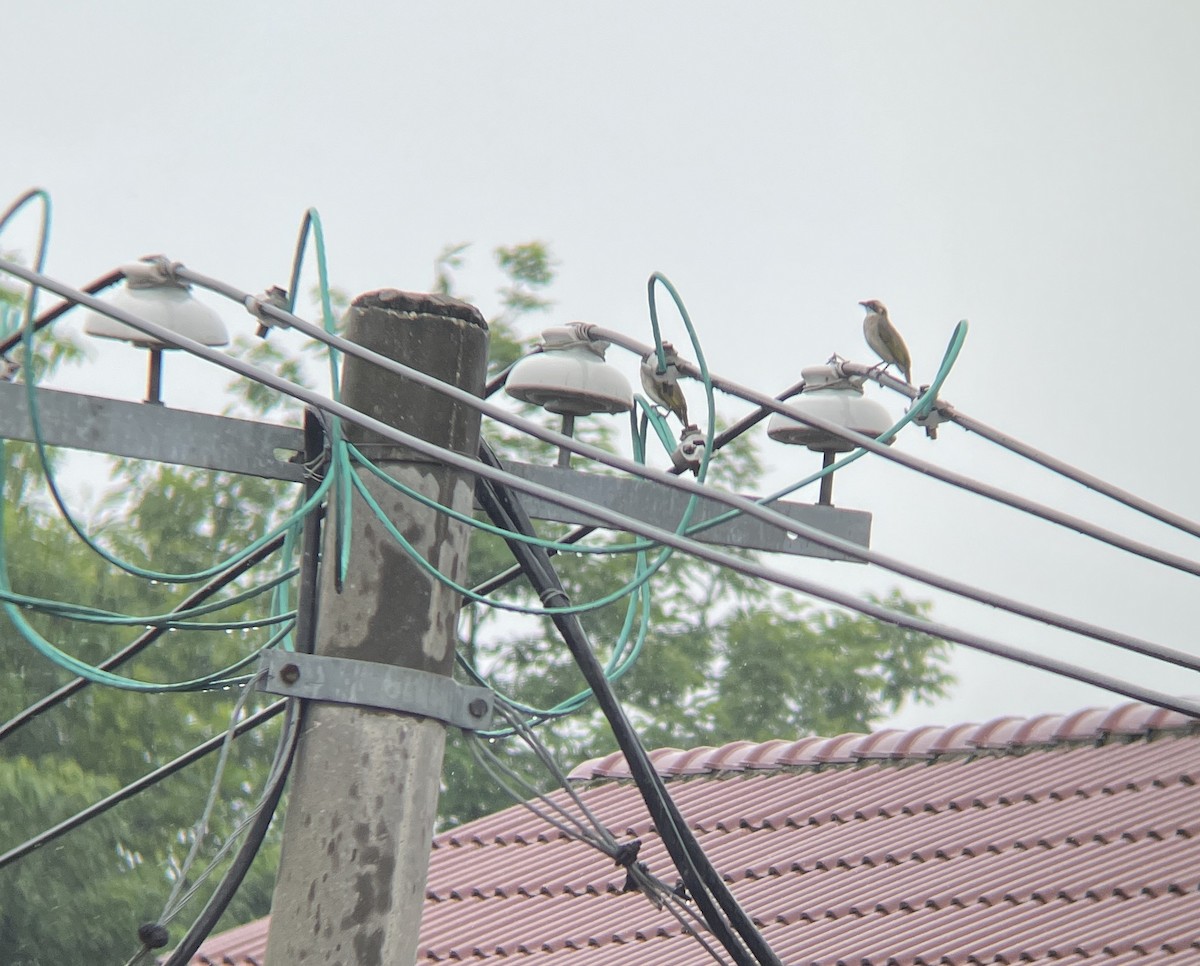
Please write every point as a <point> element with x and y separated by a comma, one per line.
<point>1028,166</point>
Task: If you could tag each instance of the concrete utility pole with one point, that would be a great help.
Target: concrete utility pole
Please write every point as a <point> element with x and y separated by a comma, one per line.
<point>351,880</point>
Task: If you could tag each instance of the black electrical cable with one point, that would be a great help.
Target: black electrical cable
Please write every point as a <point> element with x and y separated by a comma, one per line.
<point>701,879</point>
<point>315,460</point>
<point>231,881</point>
<point>492,386</point>
<point>597,836</point>
<point>672,828</point>
<point>488,496</point>
<point>146,781</point>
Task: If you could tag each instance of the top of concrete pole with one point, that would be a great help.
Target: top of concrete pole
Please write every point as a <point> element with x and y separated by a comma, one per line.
<point>435,334</point>
<point>421,303</point>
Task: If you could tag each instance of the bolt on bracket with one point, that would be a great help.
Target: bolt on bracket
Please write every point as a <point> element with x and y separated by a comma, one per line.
<point>385,687</point>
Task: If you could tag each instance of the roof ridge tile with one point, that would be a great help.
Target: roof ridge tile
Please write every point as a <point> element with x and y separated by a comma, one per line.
<point>1005,734</point>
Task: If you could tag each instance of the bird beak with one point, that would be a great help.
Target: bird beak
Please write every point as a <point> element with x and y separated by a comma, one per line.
<point>863,304</point>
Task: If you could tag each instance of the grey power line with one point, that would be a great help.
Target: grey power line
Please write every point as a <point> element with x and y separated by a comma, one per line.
<point>604,514</point>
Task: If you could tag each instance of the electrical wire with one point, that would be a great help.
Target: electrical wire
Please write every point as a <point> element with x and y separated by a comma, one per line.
<point>1068,519</point>
<point>132,569</point>
<point>56,494</point>
<point>94,287</point>
<point>820,537</point>
<point>457,393</point>
<point>43,242</point>
<point>760,399</point>
<point>592,833</point>
<point>496,381</point>
<point>219,901</point>
<point>624,652</point>
<point>611,518</point>
<point>140,785</point>
<point>200,829</point>
<point>342,492</point>
<point>140,643</point>
<point>946,411</point>
<point>489,762</point>
<point>307,608</point>
<point>316,453</point>
<point>777,409</point>
<point>229,735</point>
<point>652,416</point>
<point>505,577</point>
<point>931,470</point>
<point>657,278</point>
<point>642,576</point>
<point>178,619</point>
<point>763,401</point>
<point>26,335</point>
<point>722,439</point>
<point>705,884</point>
<point>83,669</point>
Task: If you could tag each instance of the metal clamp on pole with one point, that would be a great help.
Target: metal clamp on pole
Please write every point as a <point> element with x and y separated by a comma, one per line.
<point>370,685</point>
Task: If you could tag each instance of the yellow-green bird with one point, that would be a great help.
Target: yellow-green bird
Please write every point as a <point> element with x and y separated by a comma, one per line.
<point>884,339</point>
<point>663,387</point>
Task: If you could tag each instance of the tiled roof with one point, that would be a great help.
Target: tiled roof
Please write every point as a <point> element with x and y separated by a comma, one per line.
<point>1064,839</point>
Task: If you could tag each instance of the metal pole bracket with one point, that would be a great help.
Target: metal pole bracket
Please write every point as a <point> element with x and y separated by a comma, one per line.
<point>385,687</point>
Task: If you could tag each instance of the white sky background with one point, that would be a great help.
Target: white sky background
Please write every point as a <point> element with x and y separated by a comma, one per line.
<point>1031,167</point>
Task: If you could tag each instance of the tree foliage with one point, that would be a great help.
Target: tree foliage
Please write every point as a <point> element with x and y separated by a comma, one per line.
<point>724,658</point>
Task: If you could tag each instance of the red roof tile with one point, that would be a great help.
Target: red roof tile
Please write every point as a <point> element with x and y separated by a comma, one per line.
<point>1067,839</point>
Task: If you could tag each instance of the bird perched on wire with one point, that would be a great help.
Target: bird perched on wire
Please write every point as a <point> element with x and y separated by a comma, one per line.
<point>663,387</point>
<point>884,339</point>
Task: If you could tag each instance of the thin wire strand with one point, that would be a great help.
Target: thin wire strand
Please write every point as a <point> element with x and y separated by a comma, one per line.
<point>200,829</point>
<point>530,737</point>
<point>136,787</point>
<point>255,829</point>
<point>490,762</point>
<point>660,895</point>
